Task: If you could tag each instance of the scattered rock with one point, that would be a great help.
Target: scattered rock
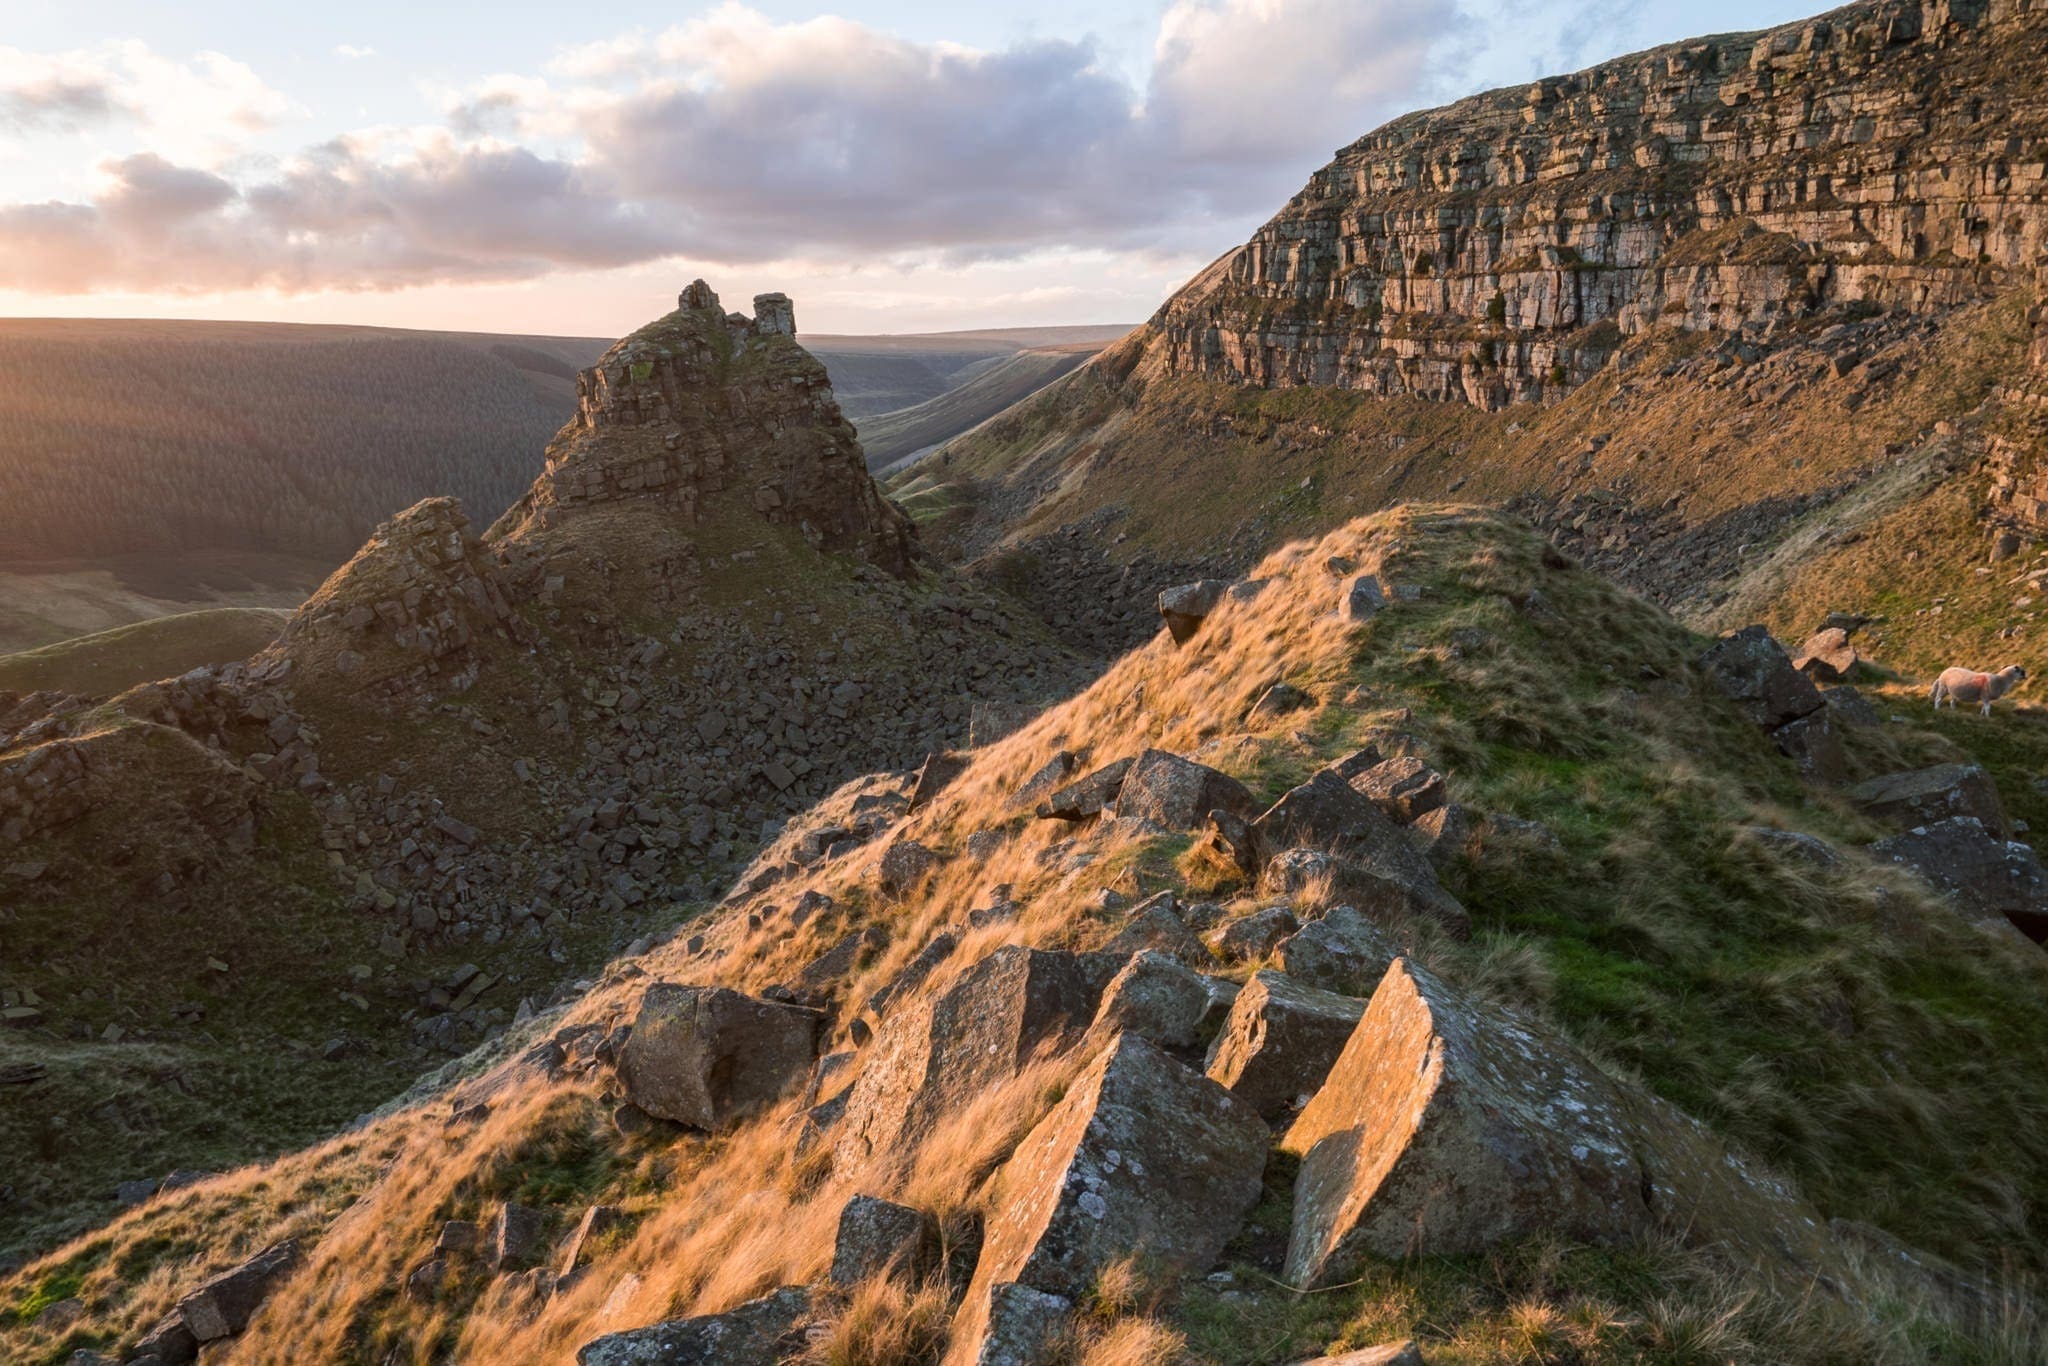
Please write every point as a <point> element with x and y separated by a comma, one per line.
<point>1084,800</point>
<point>1988,879</point>
<point>1403,787</point>
<point>1826,656</point>
<point>1161,998</point>
<point>518,1237</point>
<point>1278,701</point>
<point>1752,669</point>
<point>597,1221</point>
<point>1341,951</point>
<point>1252,937</point>
<point>223,1306</point>
<point>1185,606</point>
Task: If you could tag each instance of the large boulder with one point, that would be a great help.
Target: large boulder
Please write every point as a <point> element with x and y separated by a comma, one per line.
<point>223,1306</point>
<point>1923,796</point>
<point>1185,606</point>
<point>760,1332</point>
<point>1158,997</point>
<point>1988,879</point>
<point>1085,799</point>
<point>938,1053</point>
<point>1176,793</point>
<point>1340,951</point>
<point>1142,1156</point>
<point>710,1057</point>
<point>1281,1040</point>
<point>1753,669</point>
<point>1812,742</point>
<point>1447,1127</point>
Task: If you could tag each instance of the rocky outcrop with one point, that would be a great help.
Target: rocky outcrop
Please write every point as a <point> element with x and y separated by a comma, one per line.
<point>1177,794</point>
<point>1926,795</point>
<point>1500,249</point>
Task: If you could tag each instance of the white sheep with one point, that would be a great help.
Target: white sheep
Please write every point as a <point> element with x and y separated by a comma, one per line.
<point>1972,686</point>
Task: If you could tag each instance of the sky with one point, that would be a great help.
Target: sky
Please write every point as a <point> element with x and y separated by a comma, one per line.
<point>894,166</point>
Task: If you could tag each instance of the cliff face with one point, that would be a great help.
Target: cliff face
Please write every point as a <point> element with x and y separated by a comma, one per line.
<point>1499,250</point>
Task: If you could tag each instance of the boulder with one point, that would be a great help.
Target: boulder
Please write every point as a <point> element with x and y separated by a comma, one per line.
<point>710,1057</point>
<point>1159,997</point>
<point>1140,1155</point>
<point>1811,742</point>
<point>170,1343</point>
<point>518,1236</point>
<point>1233,842</point>
<point>1923,796</point>
<point>1341,951</point>
<point>1403,787</point>
<point>1280,1041</point>
<point>940,1052</point>
<point>1329,814</point>
<point>1177,794</point>
<point>1294,871</point>
<point>1753,669</point>
<point>1085,799</point>
<point>1988,879</point>
<point>904,866</point>
<point>1826,656</point>
<point>760,1332</point>
<point>223,1306</point>
<point>1185,606</point>
<point>1250,938</point>
<point>880,1238</point>
<point>1447,1127</point>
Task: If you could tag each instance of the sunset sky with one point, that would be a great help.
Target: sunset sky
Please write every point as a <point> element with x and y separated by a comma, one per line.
<point>532,167</point>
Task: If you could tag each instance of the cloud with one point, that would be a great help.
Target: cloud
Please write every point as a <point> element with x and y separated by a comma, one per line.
<point>350,52</point>
<point>203,110</point>
<point>735,139</point>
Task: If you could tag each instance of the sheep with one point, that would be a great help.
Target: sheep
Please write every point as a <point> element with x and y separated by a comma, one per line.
<point>1971,686</point>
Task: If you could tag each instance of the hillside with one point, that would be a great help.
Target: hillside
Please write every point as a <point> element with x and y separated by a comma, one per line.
<point>1747,321</point>
<point>894,436</point>
<point>1694,1074</point>
<point>887,373</point>
<point>248,902</point>
<point>110,662</point>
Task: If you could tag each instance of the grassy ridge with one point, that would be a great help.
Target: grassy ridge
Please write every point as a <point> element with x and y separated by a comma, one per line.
<point>109,662</point>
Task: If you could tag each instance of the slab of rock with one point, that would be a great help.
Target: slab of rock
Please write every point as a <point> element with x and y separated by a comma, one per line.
<point>1085,799</point>
<point>1340,951</point>
<point>1250,938</point>
<point>710,1057</point>
<point>223,1306</point>
<point>1447,1127</point>
<point>1142,1155</point>
<point>1160,998</point>
<point>1754,670</point>
<point>760,1332</point>
<point>879,1237</point>
<point>1923,796</point>
<point>1403,787</point>
<point>1185,606</point>
<point>1280,1041</point>
<point>904,867</point>
<point>1988,879</point>
<point>1177,794</point>
<point>939,1052</point>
